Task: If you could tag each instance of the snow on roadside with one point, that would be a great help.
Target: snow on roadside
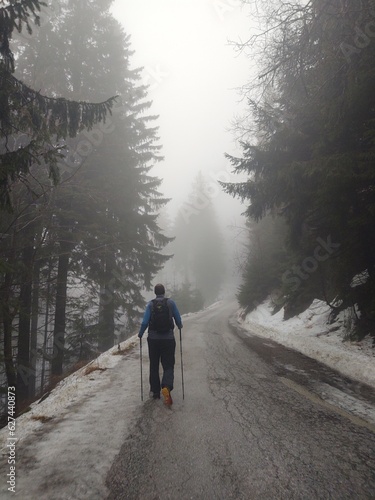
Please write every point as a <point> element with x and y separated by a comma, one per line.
<point>311,334</point>
<point>69,391</point>
<point>308,333</point>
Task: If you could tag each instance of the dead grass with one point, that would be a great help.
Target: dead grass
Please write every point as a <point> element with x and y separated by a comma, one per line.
<point>41,418</point>
<point>93,368</point>
<point>122,352</point>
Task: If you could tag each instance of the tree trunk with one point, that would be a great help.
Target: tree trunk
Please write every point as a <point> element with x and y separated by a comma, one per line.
<point>46,323</point>
<point>23,352</point>
<point>60,309</point>
<point>34,329</point>
<point>107,306</point>
<point>10,369</point>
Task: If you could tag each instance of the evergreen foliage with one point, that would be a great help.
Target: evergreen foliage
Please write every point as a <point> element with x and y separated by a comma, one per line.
<point>187,299</point>
<point>313,161</point>
<point>198,248</point>
<point>77,251</point>
<point>266,262</point>
<point>31,124</point>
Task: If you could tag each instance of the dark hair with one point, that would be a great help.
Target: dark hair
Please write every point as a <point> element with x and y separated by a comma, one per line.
<point>159,289</point>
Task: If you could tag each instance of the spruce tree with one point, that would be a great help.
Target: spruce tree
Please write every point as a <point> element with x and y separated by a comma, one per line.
<point>104,210</point>
<point>41,121</point>
<point>33,128</point>
<point>198,247</point>
<point>313,163</point>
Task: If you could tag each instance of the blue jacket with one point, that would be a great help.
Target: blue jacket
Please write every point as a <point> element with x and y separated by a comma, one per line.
<point>147,317</point>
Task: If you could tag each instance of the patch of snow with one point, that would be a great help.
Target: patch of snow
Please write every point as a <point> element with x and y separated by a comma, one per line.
<point>337,398</point>
<point>360,279</point>
<point>69,391</point>
<point>208,308</point>
<point>311,334</point>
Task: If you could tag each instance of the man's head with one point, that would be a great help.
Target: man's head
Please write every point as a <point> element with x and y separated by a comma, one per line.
<point>159,289</point>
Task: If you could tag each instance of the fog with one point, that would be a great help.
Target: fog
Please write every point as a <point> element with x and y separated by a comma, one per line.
<point>193,75</point>
<point>79,245</point>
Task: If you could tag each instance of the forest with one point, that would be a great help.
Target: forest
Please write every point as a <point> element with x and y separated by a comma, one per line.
<point>80,238</point>
<point>84,227</point>
<point>308,156</point>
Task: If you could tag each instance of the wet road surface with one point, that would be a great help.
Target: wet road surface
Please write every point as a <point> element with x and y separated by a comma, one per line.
<point>254,424</point>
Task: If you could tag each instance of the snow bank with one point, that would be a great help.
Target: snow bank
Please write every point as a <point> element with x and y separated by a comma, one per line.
<point>69,391</point>
<point>311,334</point>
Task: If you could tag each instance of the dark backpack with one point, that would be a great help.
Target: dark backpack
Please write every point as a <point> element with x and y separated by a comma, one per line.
<point>161,319</point>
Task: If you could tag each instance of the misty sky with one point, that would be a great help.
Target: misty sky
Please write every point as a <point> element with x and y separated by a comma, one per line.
<point>193,74</point>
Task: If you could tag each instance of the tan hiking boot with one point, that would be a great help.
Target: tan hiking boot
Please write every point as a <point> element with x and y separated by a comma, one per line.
<point>167,396</point>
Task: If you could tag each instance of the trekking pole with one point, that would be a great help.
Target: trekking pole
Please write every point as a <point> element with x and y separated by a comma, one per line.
<point>140,348</point>
<point>182,368</point>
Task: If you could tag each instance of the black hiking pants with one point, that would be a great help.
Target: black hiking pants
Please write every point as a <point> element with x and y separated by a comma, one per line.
<point>161,351</point>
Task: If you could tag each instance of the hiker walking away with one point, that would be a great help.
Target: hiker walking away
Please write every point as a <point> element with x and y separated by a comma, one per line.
<point>158,317</point>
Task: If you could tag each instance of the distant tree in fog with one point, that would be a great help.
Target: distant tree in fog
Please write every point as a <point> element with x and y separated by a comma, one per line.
<point>199,248</point>
<point>187,298</point>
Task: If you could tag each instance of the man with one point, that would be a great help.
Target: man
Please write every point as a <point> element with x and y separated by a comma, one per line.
<point>158,317</point>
